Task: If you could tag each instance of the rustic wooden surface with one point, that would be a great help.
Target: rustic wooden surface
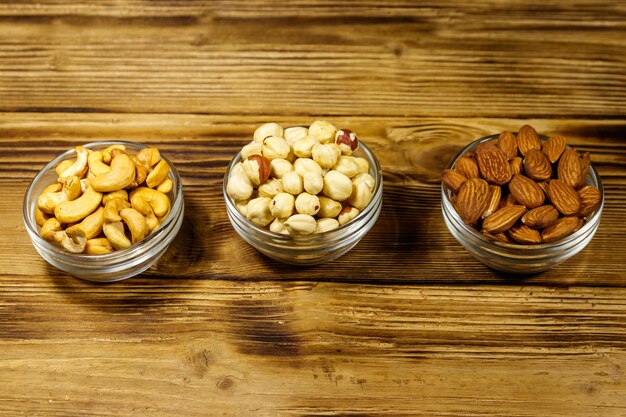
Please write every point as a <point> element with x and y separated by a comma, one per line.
<point>407,323</point>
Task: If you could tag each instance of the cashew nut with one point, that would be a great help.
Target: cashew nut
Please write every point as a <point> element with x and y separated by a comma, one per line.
<point>158,174</point>
<point>149,156</point>
<point>63,165</point>
<point>106,153</point>
<point>123,194</point>
<point>121,174</point>
<point>158,201</point>
<point>115,233</point>
<point>166,186</point>
<point>91,225</point>
<point>98,246</point>
<point>79,167</point>
<point>96,166</point>
<point>75,210</point>
<point>49,200</point>
<point>112,209</point>
<point>136,224</point>
<point>72,242</point>
<point>40,216</point>
<point>141,172</point>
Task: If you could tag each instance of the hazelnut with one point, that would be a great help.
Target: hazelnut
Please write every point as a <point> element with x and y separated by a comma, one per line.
<point>239,187</point>
<point>347,214</point>
<point>242,207</point>
<point>275,147</point>
<point>294,134</point>
<point>304,165</point>
<point>252,148</point>
<point>323,131</point>
<point>292,183</point>
<point>361,195</point>
<point>257,169</point>
<point>313,182</point>
<point>347,141</point>
<point>347,165</point>
<point>237,169</point>
<point>326,224</point>
<point>307,204</point>
<point>365,178</point>
<point>326,154</point>
<point>300,224</point>
<point>279,167</point>
<point>329,207</point>
<point>271,188</point>
<point>337,186</point>
<point>282,205</point>
<point>267,129</point>
<point>259,211</point>
<point>364,166</point>
<point>278,226</point>
<point>303,148</point>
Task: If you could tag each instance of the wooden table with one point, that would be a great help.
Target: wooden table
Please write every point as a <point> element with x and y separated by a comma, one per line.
<point>407,323</point>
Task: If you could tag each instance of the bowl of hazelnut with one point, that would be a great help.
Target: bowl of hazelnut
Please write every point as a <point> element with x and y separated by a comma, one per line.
<point>522,202</point>
<point>303,195</point>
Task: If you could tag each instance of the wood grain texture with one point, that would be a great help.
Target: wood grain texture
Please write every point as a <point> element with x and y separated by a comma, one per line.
<point>406,324</point>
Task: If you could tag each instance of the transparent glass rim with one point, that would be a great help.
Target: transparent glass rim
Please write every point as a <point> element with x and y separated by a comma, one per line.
<point>32,227</point>
<point>589,224</point>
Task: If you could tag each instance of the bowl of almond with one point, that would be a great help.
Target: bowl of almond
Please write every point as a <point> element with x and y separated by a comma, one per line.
<point>522,202</point>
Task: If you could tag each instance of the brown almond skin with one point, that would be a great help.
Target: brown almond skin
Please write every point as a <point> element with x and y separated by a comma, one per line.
<point>524,234</point>
<point>472,200</point>
<point>570,168</point>
<point>537,165</point>
<point>453,180</point>
<point>544,186</point>
<point>516,165</point>
<point>503,219</point>
<point>507,201</point>
<point>541,217</point>
<point>500,237</point>
<point>493,164</point>
<point>585,163</point>
<point>508,144</point>
<point>564,226</point>
<point>526,191</point>
<point>494,200</point>
<point>564,197</point>
<point>527,139</point>
<point>590,198</point>
<point>467,167</point>
<point>554,147</point>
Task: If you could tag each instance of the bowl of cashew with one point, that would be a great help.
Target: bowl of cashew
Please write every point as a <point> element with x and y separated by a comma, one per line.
<point>104,211</point>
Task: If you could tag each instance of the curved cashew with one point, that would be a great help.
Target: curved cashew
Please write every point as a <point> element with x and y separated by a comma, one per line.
<point>91,225</point>
<point>123,194</point>
<point>166,186</point>
<point>96,166</point>
<point>63,165</point>
<point>106,153</point>
<point>98,246</point>
<point>115,233</point>
<point>79,167</point>
<point>158,174</point>
<point>121,174</point>
<point>149,156</point>
<point>75,210</point>
<point>73,242</point>
<point>141,172</point>
<point>40,217</point>
<point>112,209</point>
<point>48,200</point>
<point>136,224</point>
<point>158,202</point>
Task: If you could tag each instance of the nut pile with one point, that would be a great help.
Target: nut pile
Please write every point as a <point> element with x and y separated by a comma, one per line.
<point>299,180</point>
<point>105,200</point>
<point>517,189</point>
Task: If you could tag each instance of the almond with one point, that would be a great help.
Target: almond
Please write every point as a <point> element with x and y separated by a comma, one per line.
<point>494,200</point>
<point>540,217</point>
<point>590,198</point>
<point>524,234</point>
<point>537,165</point>
<point>508,144</point>
<point>564,197</point>
<point>507,201</point>
<point>564,226</point>
<point>527,139</point>
<point>472,200</point>
<point>526,191</point>
<point>467,167</point>
<point>493,164</point>
<point>516,165</point>
<point>501,237</point>
<point>585,163</point>
<point>554,147</point>
<point>544,186</point>
<point>570,168</point>
<point>503,219</point>
<point>453,180</point>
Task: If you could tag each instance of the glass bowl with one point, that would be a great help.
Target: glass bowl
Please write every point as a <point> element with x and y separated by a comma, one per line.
<point>316,248</point>
<point>516,258</point>
<point>117,265</point>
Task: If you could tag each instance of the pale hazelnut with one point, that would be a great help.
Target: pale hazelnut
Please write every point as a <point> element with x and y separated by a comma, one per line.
<point>259,211</point>
<point>313,182</point>
<point>292,183</point>
<point>304,165</point>
<point>326,224</point>
<point>300,224</point>
<point>238,169</point>
<point>242,207</point>
<point>271,188</point>
<point>329,207</point>
<point>307,204</point>
<point>323,130</point>
<point>347,141</point>
<point>266,130</point>
<point>347,214</point>
<point>294,134</point>
<point>326,154</point>
<point>279,167</point>
<point>361,195</point>
<point>337,186</point>
<point>282,205</point>
<point>239,187</point>
<point>252,148</point>
<point>364,166</point>
<point>275,147</point>
<point>278,226</point>
<point>365,178</point>
<point>304,147</point>
<point>257,169</point>
<point>347,165</point>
